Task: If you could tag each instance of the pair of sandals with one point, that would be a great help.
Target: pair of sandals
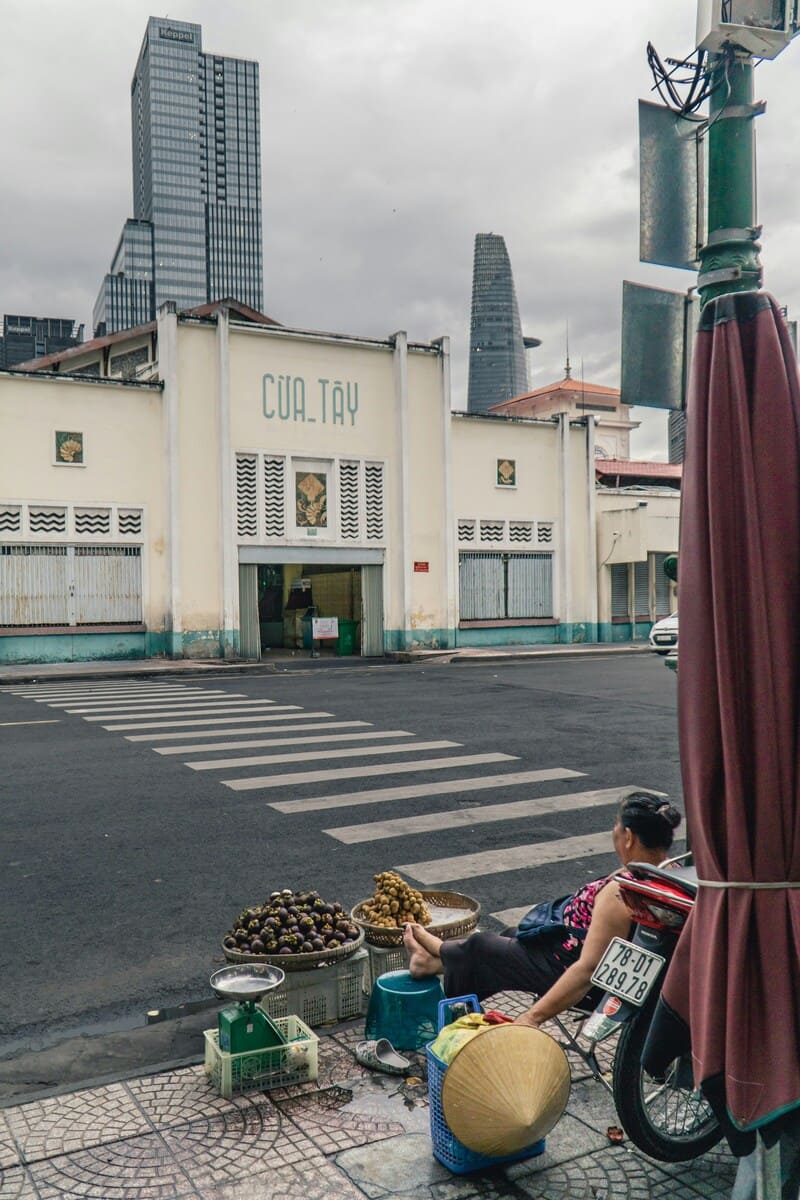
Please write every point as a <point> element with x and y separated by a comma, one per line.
<point>381,1055</point>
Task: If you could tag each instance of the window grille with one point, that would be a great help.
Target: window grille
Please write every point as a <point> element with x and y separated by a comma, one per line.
<point>48,520</point>
<point>33,585</point>
<point>246,495</point>
<point>130,521</point>
<point>466,531</point>
<point>530,585</point>
<point>374,494</point>
<point>493,531</point>
<point>10,518</point>
<point>274,496</point>
<point>108,585</point>
<point>96,521</point>
<point>544,533</point>
<point>520,531</point>
<point>349,526</point>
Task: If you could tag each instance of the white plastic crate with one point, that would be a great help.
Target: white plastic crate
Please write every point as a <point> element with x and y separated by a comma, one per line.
<point>322,995</point>
<point>383,959</point>
<point>259,1070</point>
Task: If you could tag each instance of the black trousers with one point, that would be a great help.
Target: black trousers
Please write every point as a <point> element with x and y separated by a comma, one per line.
<point>485,963</point>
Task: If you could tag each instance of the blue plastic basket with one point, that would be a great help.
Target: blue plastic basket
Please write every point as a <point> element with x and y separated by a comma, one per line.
<point>452,1153</point>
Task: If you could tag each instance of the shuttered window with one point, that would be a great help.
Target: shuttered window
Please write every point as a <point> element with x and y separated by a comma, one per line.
<point>661,586</point>
<point>70,585</point>
<point>349,526</point>
<point>505,586</point>
<point>641,590</point>
<point>274,496</point>
<point>374,501</point>
<point>619,591</point>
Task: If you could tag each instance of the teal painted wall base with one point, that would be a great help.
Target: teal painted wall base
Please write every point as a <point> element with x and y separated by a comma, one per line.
<point>418,639</point>
<point>74,647</point>
<point>94,647</point>
<point>528,635</point>
<point>623,632</point>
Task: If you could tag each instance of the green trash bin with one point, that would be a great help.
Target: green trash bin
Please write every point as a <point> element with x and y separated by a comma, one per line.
<point>347,642</point>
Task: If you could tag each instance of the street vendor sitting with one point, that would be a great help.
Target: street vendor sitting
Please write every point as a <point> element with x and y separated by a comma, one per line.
<point>559,944</point>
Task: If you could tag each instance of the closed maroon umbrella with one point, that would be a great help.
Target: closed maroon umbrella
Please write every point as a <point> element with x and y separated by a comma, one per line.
<point>735,977</point>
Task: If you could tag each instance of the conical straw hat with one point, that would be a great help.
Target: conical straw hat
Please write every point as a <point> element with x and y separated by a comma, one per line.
<point>505,1089</point>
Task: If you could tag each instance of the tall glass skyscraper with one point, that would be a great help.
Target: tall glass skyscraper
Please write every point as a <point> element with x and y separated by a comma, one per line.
<point>497,369</point>
<point>196,229</point>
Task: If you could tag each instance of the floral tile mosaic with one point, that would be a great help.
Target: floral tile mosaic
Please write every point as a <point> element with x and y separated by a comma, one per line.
<point>67,1124</point>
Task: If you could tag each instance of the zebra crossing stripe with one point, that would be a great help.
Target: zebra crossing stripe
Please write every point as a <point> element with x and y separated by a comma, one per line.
<point>478,815</point>
<point>261,728</point>
<point>427,764</point>
<point>381,795</point>
<point>210,701</point>
<point>209,709</point>
<point>218,720</point>
<point>284,741</point>
<point>510,858</point>
<point>266,760</point>
<point>511,916</point>
<point>66,693</point>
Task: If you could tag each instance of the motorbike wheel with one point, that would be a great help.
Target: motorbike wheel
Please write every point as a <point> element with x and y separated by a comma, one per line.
<point>670,1122</point>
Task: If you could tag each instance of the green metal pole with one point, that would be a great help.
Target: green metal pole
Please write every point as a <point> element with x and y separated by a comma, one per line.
<point>729,260</point>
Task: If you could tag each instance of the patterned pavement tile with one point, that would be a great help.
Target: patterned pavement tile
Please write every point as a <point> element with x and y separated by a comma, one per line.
<point>15,1184</point>
<point>324,1182</point>
<point>610,1174</point>
<point>331,1125</point>
<point>710,1176</point>
<point>180,1097</point>
<point>141,1168</point>
<point>9,1154</point>
<point>244,1142</point>
<point>67,1124</point>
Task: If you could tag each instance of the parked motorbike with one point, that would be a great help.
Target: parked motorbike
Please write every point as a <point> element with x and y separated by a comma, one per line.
<point>666,1118</point>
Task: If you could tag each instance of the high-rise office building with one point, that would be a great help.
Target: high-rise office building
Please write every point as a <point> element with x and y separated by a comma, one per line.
<point>33,337</point>
<point>497,369</point>
<point>676,435</point>
<point>196,230</point>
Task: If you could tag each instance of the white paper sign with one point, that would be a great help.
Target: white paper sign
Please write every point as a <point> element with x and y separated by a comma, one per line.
<point>324,627</point>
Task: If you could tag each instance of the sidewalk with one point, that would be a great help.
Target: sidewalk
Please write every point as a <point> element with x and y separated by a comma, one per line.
<point>352,1134</point>
<point>282,661</point>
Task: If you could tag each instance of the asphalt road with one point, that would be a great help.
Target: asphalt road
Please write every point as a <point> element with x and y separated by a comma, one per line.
<point>123,868</point>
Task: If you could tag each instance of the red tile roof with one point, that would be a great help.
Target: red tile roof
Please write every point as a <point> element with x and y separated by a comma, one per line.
<point>578,386</point>
<point>625,468</point>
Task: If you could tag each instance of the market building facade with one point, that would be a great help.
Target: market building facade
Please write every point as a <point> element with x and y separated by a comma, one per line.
<point>202,485</point>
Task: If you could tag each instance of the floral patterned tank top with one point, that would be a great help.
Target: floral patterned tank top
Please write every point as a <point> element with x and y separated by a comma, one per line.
<point>577,917</point>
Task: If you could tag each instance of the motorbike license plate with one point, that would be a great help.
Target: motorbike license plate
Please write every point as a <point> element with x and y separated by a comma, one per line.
<point>628,971</point>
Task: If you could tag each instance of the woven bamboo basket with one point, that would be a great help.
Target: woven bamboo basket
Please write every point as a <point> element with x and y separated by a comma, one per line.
<point>454,916</point>
<point>298,962</point>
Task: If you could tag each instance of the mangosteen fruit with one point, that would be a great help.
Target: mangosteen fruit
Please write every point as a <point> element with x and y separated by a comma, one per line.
<point>285,950</point>
<point>333,943</point>
<point>292,910</point>
<point>317,943</point>
<point>257,946</point>
<point>229,942</point>
<point>307,948</point>
<point>282,914</point>
<point>240,936</point>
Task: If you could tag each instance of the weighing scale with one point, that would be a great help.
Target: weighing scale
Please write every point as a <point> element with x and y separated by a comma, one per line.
<point>242,1026</point>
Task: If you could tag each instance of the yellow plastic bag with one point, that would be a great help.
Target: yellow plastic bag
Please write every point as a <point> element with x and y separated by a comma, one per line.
<point>450,1039</point>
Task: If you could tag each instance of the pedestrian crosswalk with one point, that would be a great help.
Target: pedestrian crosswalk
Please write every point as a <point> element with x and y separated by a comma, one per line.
<point>209,728</point>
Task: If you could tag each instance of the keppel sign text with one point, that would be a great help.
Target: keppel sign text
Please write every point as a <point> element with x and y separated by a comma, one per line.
<point>325,401</point>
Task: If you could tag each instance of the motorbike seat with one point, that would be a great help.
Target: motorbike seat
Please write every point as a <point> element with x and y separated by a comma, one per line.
<point>684,878</point>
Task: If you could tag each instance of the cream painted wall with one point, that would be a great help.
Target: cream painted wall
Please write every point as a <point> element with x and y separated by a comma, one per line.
<point>427,502</point>
<point>534,446</point>
<point>124,461</point>
<point>201,550</point>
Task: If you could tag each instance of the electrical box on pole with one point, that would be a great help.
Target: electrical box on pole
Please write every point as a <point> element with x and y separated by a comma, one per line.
<point>759,27</point>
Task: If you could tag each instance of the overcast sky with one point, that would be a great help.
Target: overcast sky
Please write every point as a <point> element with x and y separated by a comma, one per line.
<point>392,132</point>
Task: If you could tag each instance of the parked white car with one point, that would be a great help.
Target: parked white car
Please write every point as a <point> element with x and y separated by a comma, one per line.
<point>664,634</point>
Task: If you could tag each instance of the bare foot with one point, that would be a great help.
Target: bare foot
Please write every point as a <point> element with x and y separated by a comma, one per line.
<point>421,963</point>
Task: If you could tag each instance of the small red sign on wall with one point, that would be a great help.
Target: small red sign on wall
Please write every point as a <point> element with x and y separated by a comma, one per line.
<point>422,566</point>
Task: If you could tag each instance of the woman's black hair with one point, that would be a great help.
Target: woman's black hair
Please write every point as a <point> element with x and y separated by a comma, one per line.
<point>651,818</point>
